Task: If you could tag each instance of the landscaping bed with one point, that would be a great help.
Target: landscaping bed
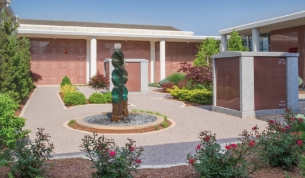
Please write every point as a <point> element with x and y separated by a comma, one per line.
<point>87,100</point>
<point>23,103</point>
<point>149,129</point>
<point>187,103</point>
<point>80,168</point>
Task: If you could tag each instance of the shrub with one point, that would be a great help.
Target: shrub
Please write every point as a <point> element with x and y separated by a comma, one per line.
<point>99,81</point>
<point>28,158</point>
<point>74,98</point>
<point>279,145</point>
<point>210,161</point>
<point>199,86</point>
<point>65,81</point>
<point>154,85</point>
<point>202,96</point>
<point>197,74</point>
<point>10,125</point>
<point>100,98</point>
<point>163,81</point>
<point>175,78</point>
<point>67,88</point>
<point>109,159</point>
<point>167,85</point>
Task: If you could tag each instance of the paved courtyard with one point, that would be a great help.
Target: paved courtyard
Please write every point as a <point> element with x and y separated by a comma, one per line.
<point>169,146</point>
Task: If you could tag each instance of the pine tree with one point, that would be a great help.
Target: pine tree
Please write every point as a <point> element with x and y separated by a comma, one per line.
<point>235,42</point>
<point>15,79</point>
<point>207,48</point>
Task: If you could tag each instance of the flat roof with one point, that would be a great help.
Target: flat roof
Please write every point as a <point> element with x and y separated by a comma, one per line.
<point>265,26</point>
<point>95,24</point>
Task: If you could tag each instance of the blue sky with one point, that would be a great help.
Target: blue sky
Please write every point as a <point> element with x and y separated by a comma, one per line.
<point>203,17</point>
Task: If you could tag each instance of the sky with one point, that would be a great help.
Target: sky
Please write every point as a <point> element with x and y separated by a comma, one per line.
<point>203,17</point>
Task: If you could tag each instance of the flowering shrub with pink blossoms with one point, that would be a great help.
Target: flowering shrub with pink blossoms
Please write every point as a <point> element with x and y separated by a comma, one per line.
<point>211,161</point>
<point>109,159</point>
<point>279,145</point>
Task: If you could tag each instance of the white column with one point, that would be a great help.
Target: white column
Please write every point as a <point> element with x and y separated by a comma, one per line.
<point>162,59</point>
<point>255,40</point>
<point>224,43</point>
<point>93,55</point>
<point>152,61</point>
<point>87,60</point>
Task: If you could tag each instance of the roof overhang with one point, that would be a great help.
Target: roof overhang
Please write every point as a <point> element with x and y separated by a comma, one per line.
<point>265,26</point>
<point>49,31</point>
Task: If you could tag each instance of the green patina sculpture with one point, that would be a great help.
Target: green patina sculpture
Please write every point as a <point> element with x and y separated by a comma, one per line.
<point>119,79</point>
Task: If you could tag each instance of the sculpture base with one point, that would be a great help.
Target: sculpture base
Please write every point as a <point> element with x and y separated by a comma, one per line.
<point>119,111</point>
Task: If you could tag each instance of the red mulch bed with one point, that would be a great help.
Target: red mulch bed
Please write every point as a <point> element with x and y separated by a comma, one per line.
<point>80,168</point>
<point>23,102</point>
<point>149,129</point>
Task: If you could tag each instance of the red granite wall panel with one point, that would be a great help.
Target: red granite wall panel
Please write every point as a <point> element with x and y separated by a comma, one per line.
<point>175,53</point>
<point>134,76</point>
<point>131,49</point>
<point>269,83</point>
<point>290,39</point>
<point>50,60</point>
<point>228,83</point>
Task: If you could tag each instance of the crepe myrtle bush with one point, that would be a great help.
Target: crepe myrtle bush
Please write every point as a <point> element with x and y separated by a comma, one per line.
<point>108,159</point>
<point>279,145</point>
<point>211,161</point>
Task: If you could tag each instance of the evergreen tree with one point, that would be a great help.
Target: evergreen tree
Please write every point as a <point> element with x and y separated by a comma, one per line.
<point>207,48</point>
<point>235,42</point>
<point>15,79</point>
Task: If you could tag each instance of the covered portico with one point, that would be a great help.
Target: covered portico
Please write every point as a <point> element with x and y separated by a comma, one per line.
<point>157,36</point>
<point>262,27</point>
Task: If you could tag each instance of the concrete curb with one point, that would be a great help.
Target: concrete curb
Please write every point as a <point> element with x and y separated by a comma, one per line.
<point>65,125</point>
<point>26,104</point>
<point>80,121</point>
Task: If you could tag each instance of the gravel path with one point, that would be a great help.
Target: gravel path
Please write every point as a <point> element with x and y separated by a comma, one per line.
<point>168,146</point>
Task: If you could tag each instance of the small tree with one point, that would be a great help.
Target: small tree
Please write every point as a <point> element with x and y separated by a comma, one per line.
<point>99,81</point>
<point>235,42</point>
<point>207,48</point>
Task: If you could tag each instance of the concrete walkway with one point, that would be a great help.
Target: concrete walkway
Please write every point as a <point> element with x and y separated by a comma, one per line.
<point>169,146</point>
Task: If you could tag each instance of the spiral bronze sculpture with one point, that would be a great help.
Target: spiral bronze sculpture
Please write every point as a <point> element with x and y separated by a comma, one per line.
<point>119,79</point>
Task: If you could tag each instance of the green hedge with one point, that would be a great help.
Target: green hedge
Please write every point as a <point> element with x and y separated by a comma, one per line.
<point>74,98</point>
<point>99,98</point>
<point>202,96</point>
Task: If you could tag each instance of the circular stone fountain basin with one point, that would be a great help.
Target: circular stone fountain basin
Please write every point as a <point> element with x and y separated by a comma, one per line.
<point>132,122</point>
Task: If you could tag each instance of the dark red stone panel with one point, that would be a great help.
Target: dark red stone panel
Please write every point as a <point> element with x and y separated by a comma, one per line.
<point>131,49</point>
<point>290,40</point>
<point>175,53</point>
<point>228,83</point>
<point>51,62</point>
<point>269,83</point>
